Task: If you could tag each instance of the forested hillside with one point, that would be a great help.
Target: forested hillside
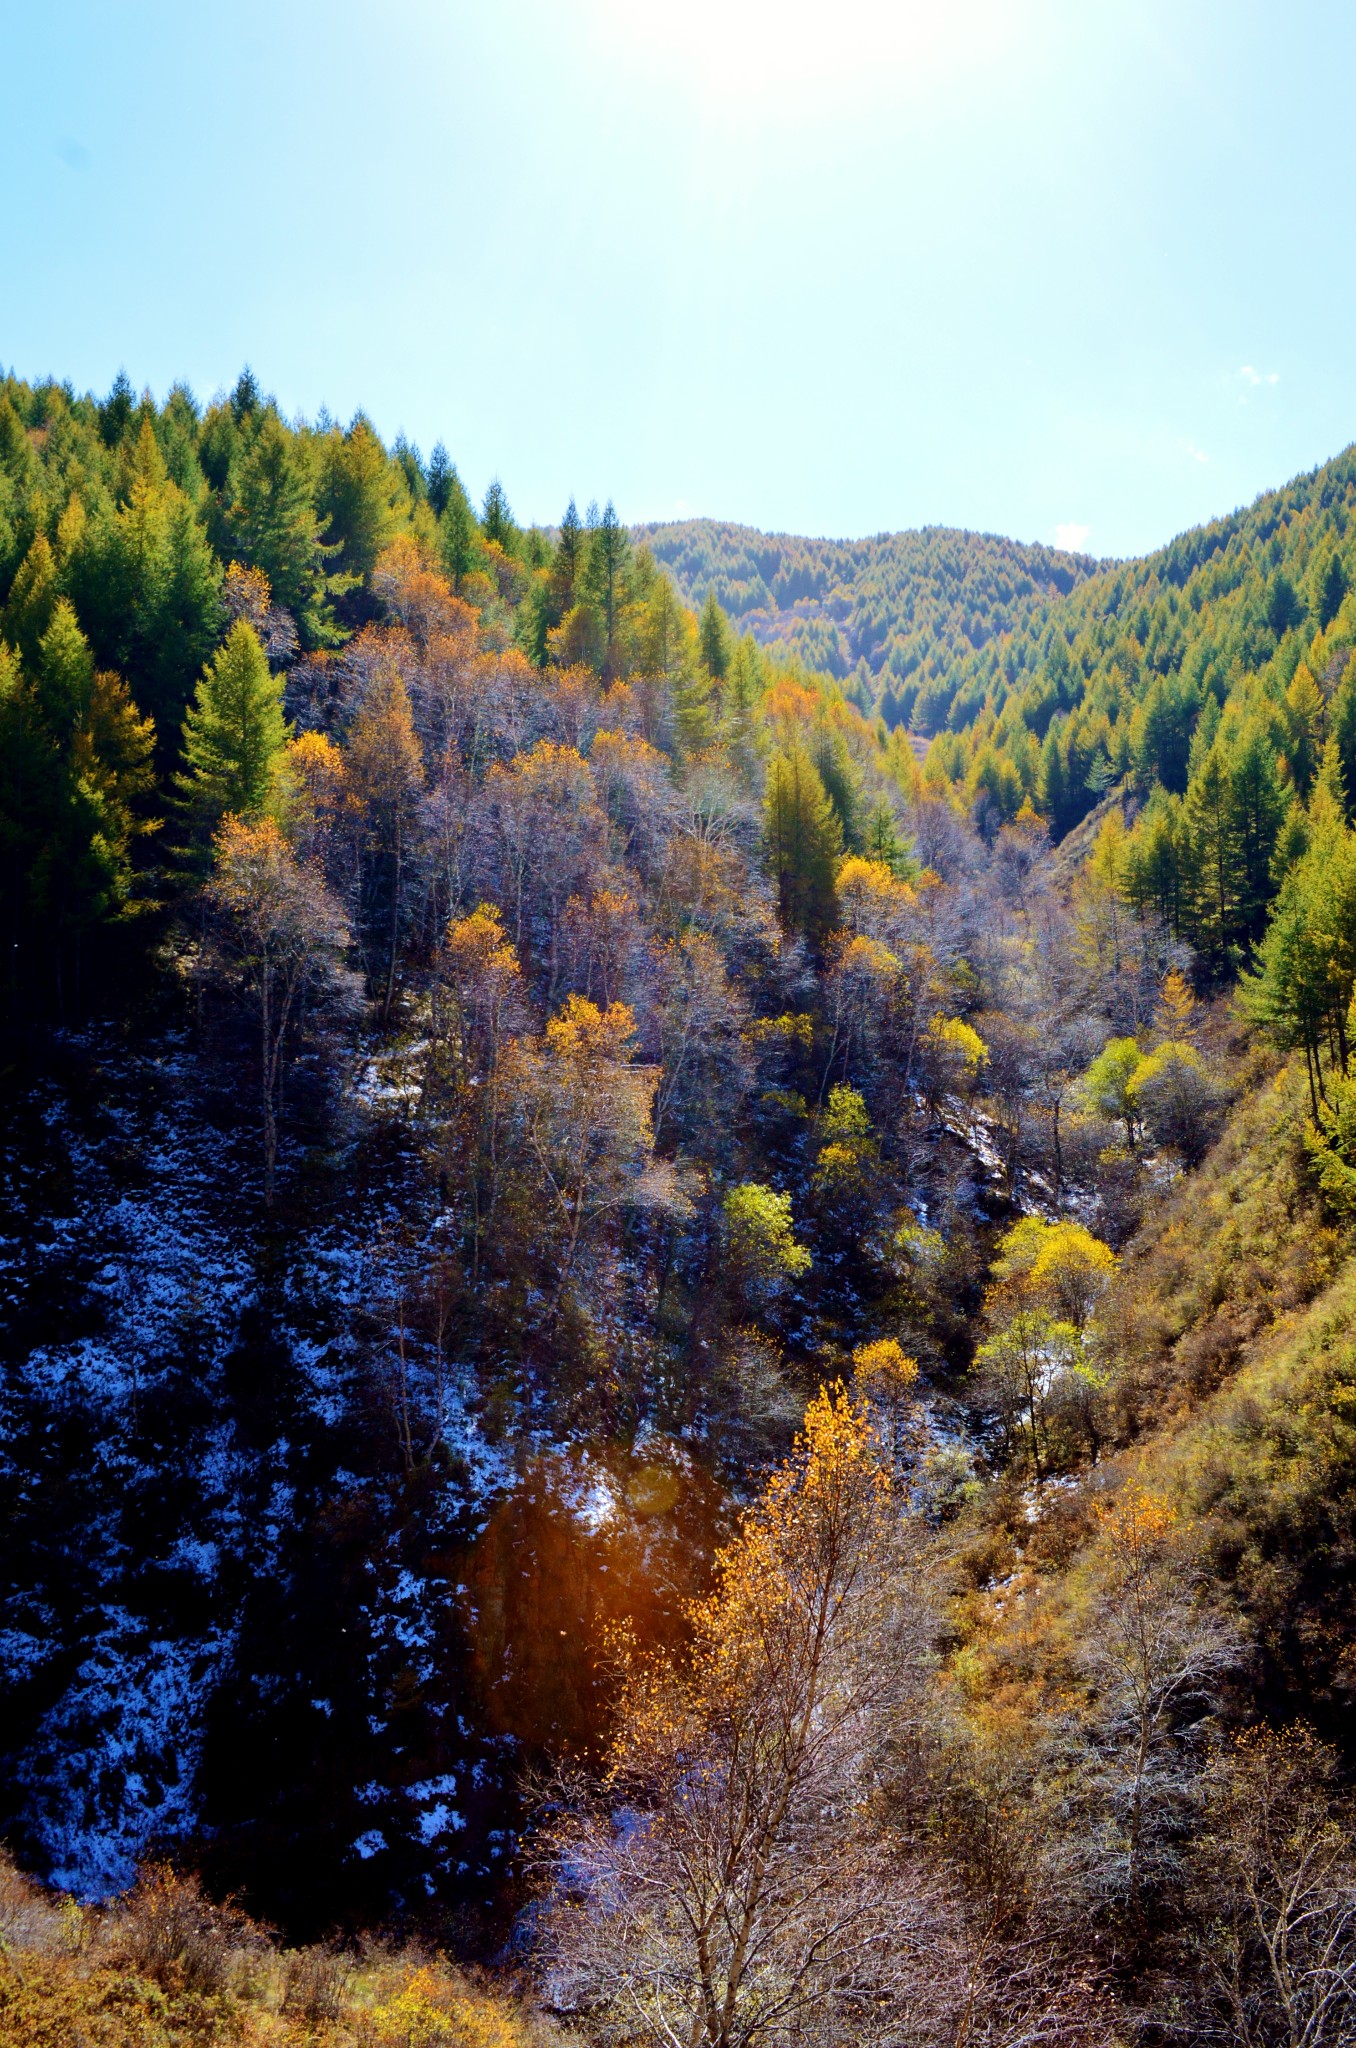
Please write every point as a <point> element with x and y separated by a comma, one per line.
<point>649,1346</point>
<point>891,617</point>
<point>1231,646</point>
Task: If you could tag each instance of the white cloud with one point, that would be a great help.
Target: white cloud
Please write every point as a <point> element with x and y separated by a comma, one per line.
<point>1072,537</point>
<point>1253,377</point>
<point>1196,454</point>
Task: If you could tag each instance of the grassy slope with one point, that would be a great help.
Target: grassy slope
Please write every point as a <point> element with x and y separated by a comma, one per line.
<point>1234,1330</point>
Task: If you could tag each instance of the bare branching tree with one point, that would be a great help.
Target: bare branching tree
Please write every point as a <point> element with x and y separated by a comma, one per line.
<point>735,1882</point>
<point>1274,1887</point>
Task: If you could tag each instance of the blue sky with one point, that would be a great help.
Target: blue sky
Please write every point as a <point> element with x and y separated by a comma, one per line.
<point>1074,268</point>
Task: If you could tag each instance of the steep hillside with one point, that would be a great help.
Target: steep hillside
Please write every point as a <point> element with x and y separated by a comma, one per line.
<point>581,1230</point>
<point>891,616</point>
<point>1128,673</point>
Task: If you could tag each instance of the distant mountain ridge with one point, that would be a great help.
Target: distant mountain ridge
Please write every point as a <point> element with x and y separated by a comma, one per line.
<point>892,616</point>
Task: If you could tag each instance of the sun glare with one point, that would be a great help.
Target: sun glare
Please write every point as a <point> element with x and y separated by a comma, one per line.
<point>800,50</point>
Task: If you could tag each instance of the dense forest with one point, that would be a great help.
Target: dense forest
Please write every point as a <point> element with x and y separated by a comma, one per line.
<point>892,618</point>
<point>675,1370</point>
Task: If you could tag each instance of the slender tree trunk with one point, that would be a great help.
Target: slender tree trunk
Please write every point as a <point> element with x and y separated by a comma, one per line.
<point>266,1076</point>
<point>397,871</point>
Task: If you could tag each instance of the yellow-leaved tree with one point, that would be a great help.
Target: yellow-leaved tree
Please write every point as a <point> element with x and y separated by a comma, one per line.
<point>583,1107</point>
<point>728,1883</point>
<point>1040,1358</point>
<point>278,933</point>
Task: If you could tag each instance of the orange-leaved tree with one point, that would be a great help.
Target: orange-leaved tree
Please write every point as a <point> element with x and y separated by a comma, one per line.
<point>279,933</point>
<point>584,1110</point>
<point>729,1883</point>
<point>477,1004</point>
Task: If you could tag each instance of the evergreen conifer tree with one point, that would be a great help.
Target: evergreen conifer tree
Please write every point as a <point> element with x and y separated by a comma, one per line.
<point>275,526</point>
<point>566,563</point>
<point>411,465</point>
<point>233,734</point>
<point>496,519</point>
<point>115,414</point>
<point>358,493</point>
<point>148,591</point>
<point>458,533</point>
<point>714,640</point>
<point>841,779</point>
<point>247,397</point>
<point>1332,589</point>
<point>803,840</point>
<point>1054,785</point>
<point>609,551</point>
<point>439,481</point>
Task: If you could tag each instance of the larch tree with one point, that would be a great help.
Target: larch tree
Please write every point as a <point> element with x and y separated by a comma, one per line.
<point>585,1106</point>
<point>75,769</point>
<point>713,639</point>
<point>804,840</point>
<point>276,527</point>
<point>362,496</point>
<point>32,601</point>
<point>385,771</point>
<point>279,934</point>
<point>234,734</point>
<point>148,588</point>
<point>478,1004</point>
<point>728,1887</point>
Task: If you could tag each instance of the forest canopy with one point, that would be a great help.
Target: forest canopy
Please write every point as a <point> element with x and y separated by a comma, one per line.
<point>680,1272</point>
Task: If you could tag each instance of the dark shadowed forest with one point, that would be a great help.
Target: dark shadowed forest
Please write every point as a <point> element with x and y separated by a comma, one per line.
<point>677,1277</point>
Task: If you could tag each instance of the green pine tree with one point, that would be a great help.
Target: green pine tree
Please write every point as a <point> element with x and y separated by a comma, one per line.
<point>147,588</point>
<point>439,481</point>
<point>496,519</point>
<point>1054,785</point>
<point>274,526</point>
<point>803,839</point>
<point>362,495</point>
<point>842,781</point>
<point>233,734</point>
<point>609,552</point>
<point>714,640</point>
<point>458,533</point>
<point>1332,590</point>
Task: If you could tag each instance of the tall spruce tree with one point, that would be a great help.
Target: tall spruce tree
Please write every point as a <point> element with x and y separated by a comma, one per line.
<point>803,839</point>
<point>360,494</point>
<point>496,520</point>
<point>458,533</point>
<point>609,551</point>
<point>275,526</point>
<point>439,480</point>
<point>714,640</point>
<point>233,735</point>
